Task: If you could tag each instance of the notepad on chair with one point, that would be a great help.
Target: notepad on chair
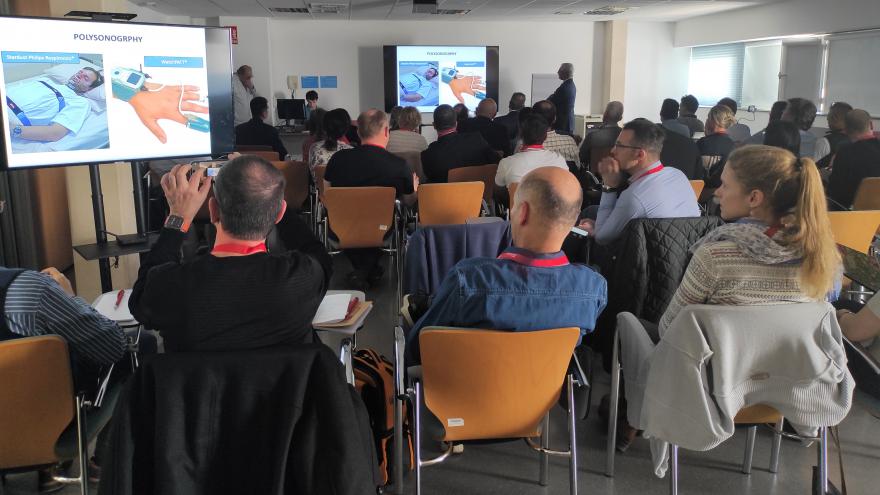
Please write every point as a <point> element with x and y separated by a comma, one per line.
<point>333,309</point>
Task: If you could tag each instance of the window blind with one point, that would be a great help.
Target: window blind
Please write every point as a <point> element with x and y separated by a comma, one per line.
<point>716,72</point>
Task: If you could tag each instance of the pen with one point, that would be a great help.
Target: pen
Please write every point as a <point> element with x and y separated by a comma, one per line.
<point>119,297</point>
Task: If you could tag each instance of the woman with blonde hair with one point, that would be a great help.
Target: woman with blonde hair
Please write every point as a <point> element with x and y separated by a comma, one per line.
<point>716,143</point>
<point>778,250</point>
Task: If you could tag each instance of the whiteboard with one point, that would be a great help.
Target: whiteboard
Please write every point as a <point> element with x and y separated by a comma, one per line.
<point>543,85</point>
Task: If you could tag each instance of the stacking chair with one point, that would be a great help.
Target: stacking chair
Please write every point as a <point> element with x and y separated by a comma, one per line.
<point>503,394</point>
<point>245,149</point>
<point>483,173</point>
<point>270,155</point>
<point>868,194</point>
<point>296,175</point>
<point>414,160</point>
<point>318,196</point>
<point>854,229</point>
<point>698,186</point>
<point>360,217</point>
<point>452,203</point>
<point>42,421</point>
<point>791,328</point>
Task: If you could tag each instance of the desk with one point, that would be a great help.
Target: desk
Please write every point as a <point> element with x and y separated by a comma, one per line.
<point>861,268</point>
<point>347,335</point>
<point>293,141</point>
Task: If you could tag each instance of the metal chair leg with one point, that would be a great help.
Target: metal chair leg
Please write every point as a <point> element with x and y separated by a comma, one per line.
<point>544,458</point>
<point>82,446</point>
<point>673,469</point>
<point>612,410</point>
<point>774,449</point>
<point>750,450</point>
<point>572,438</point>
<point>823,460</point>
<point>398,409</point>
<point>417,406</point>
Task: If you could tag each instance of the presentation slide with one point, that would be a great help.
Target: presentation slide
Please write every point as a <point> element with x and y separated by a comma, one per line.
<point>88,92</point>
<point>428,76</point>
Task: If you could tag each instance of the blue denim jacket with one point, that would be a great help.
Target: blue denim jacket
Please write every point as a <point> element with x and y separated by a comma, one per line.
<point>498,294</point>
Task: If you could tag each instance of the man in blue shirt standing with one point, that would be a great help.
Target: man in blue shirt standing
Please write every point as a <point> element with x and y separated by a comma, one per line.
<point>528,287</point>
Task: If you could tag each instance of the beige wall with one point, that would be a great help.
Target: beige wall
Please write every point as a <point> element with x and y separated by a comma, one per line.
<point>116,186</point>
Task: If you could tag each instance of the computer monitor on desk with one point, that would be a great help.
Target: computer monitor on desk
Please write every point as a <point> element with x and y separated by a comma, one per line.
<point>291,109</point>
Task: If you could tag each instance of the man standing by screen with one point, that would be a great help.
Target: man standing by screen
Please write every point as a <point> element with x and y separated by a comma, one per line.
<point>563,98</point>
<point>243,91</point>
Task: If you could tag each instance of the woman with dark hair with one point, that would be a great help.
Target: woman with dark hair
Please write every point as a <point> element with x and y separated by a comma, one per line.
<point>335,125</point>
<point>315,126</point>
<point>783,135</point>
<point>394,123</point>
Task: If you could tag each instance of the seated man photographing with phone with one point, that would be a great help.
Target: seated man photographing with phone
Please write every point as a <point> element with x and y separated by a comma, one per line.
<point>239,296</point>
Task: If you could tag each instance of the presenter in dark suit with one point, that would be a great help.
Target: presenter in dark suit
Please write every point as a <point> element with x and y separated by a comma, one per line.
<point>256,132</point>
<point>453,149</point>
<point>563,98</point>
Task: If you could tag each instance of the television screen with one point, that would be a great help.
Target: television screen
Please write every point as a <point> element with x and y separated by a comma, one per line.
<point>92,92</point>
<point>427,76</point>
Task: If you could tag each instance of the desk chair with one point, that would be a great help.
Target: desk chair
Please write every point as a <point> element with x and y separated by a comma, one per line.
<point>854,229</point>
<point>502,394</point>
<point>485,174</point>
<point>42,421</point>
<point>868,194</point>
<point>449,204</point>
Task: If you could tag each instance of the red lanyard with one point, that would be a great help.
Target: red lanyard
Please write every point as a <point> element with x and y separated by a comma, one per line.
<point>522,259</point>
<point>531,147</point>
<point>234,248</point>
<point>371,144</point>
<point>446,132</point>
<point>771,231</point>
<point>649,172</point>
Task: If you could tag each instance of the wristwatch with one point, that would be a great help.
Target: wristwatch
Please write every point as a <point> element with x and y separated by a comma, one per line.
<point>175,222</point>
<point>16,131</point>
<point>609,189</point>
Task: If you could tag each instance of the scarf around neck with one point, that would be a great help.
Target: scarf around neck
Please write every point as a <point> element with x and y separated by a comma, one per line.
<point>751,238</point>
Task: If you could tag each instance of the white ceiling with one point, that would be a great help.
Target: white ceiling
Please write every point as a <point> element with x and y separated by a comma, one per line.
<point>483,10</point>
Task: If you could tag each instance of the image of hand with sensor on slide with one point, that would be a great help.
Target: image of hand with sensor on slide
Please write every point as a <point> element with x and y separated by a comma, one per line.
<point>472,85</point>
<point>153,101</point>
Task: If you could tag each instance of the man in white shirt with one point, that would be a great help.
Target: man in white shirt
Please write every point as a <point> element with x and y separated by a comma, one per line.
<point>531,155</point>
<point>42,110</point>
<point>243,92</point>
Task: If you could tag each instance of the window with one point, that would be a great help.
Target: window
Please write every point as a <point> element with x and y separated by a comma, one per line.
<point>760,85</point>
<point>716,72</point>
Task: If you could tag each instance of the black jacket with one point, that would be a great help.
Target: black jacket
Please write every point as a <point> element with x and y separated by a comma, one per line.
<point>652,255</point>
<point>494,133</point>
<point>682,153</point>
<point>854,162</point>
<point>455,150</point>
<point>268,422</point>
<point>257,132</point>
<point>511,123</point>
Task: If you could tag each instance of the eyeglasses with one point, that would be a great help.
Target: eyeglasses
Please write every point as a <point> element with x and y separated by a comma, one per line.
<point>619,145</point>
